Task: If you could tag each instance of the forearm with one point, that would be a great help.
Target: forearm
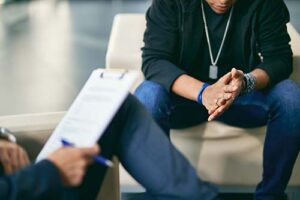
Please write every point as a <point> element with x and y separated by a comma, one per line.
<point>262,79</point>
<point>187,87</point>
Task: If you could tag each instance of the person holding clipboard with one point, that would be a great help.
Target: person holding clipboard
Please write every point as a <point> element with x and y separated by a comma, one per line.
<point>142,148</point>
<point>63,168</point>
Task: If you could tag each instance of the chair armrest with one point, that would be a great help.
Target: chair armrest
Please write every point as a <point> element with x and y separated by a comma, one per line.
<point>32,130</point>
<point>31,122</point>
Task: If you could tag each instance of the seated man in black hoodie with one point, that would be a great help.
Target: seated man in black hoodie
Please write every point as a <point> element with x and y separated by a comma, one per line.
<point>191,46</point>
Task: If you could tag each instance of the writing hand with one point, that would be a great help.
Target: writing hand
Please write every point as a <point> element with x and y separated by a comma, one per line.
<point>72,163</point>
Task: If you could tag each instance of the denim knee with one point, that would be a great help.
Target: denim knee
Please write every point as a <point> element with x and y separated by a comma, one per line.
<point>155,98</point>
<point>285,97</point>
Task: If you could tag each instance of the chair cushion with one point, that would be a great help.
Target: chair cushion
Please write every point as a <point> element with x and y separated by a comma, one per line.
<point>226,155</point>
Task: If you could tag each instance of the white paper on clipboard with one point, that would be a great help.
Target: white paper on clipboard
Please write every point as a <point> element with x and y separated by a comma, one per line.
<point>92,110</point>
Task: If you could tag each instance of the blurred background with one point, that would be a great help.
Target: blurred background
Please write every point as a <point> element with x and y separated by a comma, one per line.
<point>48,48</point>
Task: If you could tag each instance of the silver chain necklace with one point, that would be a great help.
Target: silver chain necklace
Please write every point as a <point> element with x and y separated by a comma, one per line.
<point>213,68</point>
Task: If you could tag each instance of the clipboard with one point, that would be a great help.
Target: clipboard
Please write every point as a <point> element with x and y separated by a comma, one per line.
<point>92,110</point>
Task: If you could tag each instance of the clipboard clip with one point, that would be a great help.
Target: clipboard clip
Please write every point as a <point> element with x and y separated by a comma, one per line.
<point>113,74</point>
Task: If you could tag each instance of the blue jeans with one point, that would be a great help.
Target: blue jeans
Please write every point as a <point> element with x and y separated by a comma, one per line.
<point>148,155</point>
<point>278,108</point>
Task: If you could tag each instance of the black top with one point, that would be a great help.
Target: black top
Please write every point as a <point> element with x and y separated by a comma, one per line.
<point>175,41</point>
<point>216,27</point>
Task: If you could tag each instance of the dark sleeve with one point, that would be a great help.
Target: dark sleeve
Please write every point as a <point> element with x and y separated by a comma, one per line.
<point>273,41</point>
<point>161,41</point>
<point>39,181</point>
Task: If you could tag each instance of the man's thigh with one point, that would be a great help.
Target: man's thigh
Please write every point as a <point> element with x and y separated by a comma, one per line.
<point>247,111</point>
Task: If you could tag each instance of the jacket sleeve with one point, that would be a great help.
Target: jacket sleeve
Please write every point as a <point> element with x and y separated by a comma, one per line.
<point>161,43</point>
<point>39,181</point>
<point>273,41</point>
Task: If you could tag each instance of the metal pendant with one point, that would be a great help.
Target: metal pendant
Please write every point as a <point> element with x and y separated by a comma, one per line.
<point>213,72</point>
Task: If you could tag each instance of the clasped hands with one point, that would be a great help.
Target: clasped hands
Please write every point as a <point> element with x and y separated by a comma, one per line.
<point>219,96</point>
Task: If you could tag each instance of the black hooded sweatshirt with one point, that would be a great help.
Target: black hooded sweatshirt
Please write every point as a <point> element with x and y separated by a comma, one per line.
<point>175,41</point>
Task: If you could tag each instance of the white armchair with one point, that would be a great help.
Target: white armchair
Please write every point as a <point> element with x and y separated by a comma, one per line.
<point>228,156</point>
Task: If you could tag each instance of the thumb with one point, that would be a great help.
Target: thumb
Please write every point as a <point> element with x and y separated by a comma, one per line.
<point>226,78</point>
<point>234,73</point>
<point>90,151</point>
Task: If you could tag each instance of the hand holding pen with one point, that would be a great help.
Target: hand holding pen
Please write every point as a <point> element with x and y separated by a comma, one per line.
<point>97,158</point>
<point>71,164</point>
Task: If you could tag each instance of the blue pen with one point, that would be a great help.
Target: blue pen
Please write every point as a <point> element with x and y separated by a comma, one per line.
<point>99,159</point>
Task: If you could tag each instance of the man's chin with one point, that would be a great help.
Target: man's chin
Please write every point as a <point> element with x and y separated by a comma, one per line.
<point>220,10</point>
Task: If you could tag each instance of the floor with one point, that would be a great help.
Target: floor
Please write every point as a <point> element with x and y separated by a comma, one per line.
<point>130,196</point>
